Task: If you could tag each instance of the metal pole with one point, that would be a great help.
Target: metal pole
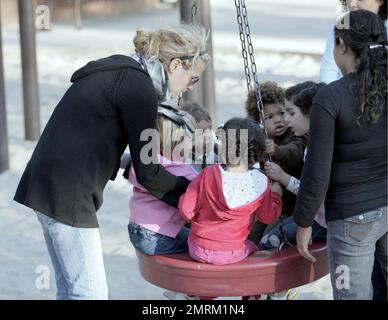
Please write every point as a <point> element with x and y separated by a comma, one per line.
<point>77,14</point>
<point>4,155</point>
<point>185,14</point>
<point>208,78</point>
<point>29,70</point>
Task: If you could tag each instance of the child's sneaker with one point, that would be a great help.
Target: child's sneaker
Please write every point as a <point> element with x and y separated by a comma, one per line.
<point>277,296</point>
<point>290,294</point>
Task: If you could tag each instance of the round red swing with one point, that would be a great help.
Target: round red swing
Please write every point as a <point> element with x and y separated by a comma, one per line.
<point>262,272</point>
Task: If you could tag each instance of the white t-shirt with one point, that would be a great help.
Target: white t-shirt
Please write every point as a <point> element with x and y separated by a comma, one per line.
<point>242,188</point>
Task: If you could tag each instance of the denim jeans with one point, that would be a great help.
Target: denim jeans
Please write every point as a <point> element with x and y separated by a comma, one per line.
<point>76,256</point>
<point>151,243</point>
<point>272,238</point>
<point>352,244</point>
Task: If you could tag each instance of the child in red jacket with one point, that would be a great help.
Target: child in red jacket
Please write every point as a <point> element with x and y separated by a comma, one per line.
<point>223,200</point>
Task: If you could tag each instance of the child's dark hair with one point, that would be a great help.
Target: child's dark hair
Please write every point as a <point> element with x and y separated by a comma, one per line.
<point>382,10</point>
<point>271,93</point>
<point>367,38</point>
<point>255,143</point>
<point>293,91</point>
<point>304,99</point>
<point>198,113</point>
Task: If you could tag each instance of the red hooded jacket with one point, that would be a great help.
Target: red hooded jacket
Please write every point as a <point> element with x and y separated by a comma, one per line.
<point>216,226</point>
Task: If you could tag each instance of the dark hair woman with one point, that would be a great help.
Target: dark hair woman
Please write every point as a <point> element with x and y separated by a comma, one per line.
<point>347,159</point>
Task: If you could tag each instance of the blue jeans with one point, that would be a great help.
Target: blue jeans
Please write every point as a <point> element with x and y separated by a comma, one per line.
<point>272,238</point>
<point>76,256</point>
<point>151,243</point>
<point>352,246</point>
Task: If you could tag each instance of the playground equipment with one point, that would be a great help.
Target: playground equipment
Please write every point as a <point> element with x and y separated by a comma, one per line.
<point>262,272</point>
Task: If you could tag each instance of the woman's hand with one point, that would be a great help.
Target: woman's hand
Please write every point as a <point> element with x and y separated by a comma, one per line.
<point>274,172</point>
<point>303,240</point>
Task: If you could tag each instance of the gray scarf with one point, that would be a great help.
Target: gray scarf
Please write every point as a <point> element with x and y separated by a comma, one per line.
<point>156,71</point>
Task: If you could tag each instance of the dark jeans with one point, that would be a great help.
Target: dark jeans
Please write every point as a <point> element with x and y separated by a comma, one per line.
<point>151,243</point>
<point>378,282</point>
<point>272,239</point>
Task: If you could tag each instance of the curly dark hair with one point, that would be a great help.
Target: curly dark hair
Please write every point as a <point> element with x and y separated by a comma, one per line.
<point>304,99</point>
<point>270,93</point>
<point>382,10</point>
<point>367,29</point>
<point>293,91</point>
<point>255,143</point>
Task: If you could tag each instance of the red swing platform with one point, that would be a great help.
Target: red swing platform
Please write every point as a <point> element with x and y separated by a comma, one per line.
<point>262,272</point>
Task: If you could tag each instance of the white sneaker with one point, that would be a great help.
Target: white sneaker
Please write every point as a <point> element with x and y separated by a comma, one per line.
<point>290,294</point>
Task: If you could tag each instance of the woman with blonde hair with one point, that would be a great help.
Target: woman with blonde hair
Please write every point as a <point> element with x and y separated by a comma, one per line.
<point>108,106</point>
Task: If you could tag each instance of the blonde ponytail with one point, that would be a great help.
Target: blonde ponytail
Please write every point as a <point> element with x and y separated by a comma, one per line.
<point>173,42</point>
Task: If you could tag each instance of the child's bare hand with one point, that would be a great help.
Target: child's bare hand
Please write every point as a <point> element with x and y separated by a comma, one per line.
<point>273,171</point>
<point>275,187</point>
<point>269,147</point>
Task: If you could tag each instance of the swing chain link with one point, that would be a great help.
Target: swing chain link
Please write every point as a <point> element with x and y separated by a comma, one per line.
<point>243,46</point>
<point>284,241</point>
<point>194,9</point>
<point>245,37</point>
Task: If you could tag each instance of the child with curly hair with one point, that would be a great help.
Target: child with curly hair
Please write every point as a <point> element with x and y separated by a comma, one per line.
<point>223,200</point>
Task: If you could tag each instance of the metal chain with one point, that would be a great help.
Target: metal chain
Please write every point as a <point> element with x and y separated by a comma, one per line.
<point>252,60</point>
<point>194,9</point>
<point>245,38</point>
<point>243,46</point>
<point>283,235</point>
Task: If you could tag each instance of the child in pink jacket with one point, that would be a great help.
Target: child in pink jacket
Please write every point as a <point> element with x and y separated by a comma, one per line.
<point>154,226</point>
<point>223,200</point>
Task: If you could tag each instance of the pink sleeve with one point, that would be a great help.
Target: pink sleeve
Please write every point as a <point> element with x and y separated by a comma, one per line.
<point>188,200</point>
<point>271,207</point>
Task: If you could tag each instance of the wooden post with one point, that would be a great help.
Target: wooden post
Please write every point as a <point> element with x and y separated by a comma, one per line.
<point>4,155</point>
<point>208,78</point>
<point>78,14</point>
<point>204,92</point>
<point>29,70</point>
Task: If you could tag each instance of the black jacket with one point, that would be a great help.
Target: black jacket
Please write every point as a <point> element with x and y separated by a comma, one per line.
<point>344,159</point>
<point>289,152</point>
<point>109,104</point>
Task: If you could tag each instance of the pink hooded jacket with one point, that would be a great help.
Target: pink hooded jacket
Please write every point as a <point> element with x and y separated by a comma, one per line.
<point>216,226</point>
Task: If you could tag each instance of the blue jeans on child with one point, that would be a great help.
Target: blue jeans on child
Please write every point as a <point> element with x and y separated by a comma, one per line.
<point>353,244</point>
<point>151,243</point>
<point>273,238</point>
<point>76,256</point>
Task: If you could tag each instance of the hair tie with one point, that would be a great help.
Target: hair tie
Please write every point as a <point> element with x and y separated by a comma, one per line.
<point>374,46</point>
